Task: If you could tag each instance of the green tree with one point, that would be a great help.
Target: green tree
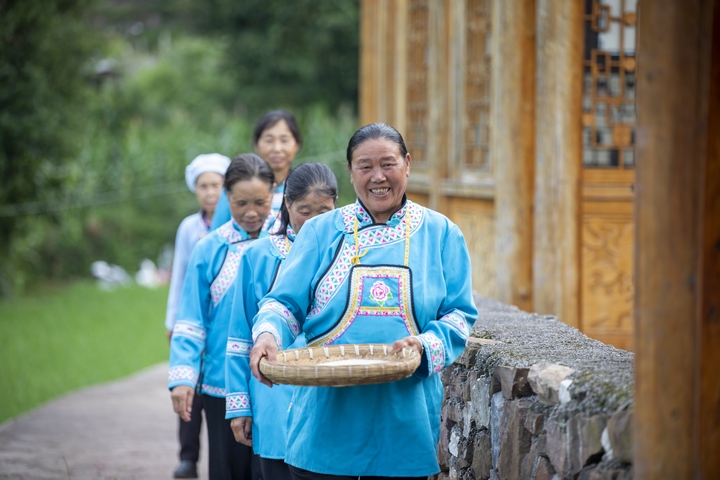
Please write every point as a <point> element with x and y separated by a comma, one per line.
<point>289,53</point>
<point>44,51</point>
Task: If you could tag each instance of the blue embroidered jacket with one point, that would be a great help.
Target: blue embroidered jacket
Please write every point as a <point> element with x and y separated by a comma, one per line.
<point>245,395</point>
<point>197,348</point>
<point>410,276</point>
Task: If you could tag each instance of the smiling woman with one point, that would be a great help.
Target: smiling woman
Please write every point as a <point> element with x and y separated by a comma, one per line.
<point>379,171</point>
<point>381,270</point>
<point>197,347</point>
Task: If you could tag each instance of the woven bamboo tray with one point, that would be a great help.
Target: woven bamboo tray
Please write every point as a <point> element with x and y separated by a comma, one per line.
<point>340,365</point>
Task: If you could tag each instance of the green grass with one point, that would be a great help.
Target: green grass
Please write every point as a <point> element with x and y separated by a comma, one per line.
<point>61,339</point>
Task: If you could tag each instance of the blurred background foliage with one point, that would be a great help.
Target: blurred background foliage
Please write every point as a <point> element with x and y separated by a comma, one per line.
<point>104,102</point>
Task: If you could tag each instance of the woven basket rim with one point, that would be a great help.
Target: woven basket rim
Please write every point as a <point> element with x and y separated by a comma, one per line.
<point>304,366</point>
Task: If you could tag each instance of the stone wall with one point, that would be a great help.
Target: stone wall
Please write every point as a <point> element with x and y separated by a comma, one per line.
<point>533,398</point>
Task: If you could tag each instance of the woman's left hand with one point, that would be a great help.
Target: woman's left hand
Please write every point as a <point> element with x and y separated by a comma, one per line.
<point>407,342</point>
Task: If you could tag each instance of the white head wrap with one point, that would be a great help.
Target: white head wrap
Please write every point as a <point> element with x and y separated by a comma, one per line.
<point>209,162</point>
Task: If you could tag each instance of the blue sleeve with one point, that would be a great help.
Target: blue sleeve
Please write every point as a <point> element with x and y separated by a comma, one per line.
<point>282,311</point>
<point>237,355</point>
<point>444,338</point>
<point>190,331</point>
<point>222,212</point>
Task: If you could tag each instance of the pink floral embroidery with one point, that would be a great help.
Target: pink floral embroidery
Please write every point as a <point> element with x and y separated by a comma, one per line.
<point>380,293</point>
<point>371,237</point>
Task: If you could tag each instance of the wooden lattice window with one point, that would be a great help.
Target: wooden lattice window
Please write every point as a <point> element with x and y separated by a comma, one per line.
<point>609,84</point>
<point>477,84</point>
<point>417,78</point>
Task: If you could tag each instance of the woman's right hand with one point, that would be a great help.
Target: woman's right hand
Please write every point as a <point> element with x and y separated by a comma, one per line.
<point>265,346</point>
<point>242,430</point>
<point>182,400</point>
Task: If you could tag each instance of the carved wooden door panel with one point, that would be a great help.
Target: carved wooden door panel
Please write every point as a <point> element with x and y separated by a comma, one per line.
<point>608,119</point>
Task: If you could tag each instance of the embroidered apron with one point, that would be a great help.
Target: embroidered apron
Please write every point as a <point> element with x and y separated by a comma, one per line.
<point>379,305</point>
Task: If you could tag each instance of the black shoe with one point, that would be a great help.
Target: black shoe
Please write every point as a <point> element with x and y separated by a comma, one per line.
<point>186,469</point>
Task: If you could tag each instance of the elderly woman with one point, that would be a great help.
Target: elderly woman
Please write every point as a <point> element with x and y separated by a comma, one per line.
<point>382,270</point>
<point>204,177</point>
<point>199,339</point>
<point>260,422</point>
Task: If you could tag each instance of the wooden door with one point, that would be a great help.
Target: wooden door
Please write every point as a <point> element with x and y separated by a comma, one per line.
<point>607,176</point>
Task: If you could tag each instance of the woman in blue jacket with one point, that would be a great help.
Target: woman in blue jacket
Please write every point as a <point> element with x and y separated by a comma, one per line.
<point>381,270</point>
<point>259,414</point>
<point>199,339</point>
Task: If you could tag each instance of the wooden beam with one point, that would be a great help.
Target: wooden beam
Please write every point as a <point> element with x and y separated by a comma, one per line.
<point>708,415</point>
<point>512,146</point>
<point>558,157</point>
<point>369,48</point>
<point>677,224</point>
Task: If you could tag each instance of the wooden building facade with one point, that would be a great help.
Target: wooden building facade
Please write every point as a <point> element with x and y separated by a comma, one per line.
<point>520,120</point>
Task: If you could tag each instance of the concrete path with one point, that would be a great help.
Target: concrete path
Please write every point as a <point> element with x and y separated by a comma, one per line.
<point>120,430</point>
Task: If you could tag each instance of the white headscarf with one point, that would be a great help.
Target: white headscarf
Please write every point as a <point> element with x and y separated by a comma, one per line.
<point>209,162</point>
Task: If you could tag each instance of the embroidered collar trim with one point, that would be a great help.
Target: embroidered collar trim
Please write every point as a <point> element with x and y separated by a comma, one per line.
<point>231,232</point>
<point>365,217</point>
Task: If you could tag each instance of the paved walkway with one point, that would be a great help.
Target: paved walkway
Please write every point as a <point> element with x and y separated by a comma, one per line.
<point>120,430</point>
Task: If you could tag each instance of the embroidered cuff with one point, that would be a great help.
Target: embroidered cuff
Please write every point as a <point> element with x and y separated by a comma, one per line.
<point>182,375</point>
<point>434,351</point>
<point>279,309</point>
<point>237,404</point>
<point>267,327</point>
<point>456,320</point>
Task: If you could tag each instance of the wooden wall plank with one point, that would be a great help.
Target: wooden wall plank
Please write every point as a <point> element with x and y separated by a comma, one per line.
<point>558,157</point>
<point>512,146</point>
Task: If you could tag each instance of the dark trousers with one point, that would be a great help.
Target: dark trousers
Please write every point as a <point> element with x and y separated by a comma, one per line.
<point>189,432</point>
<point>274,469</point>
<point>228,459</point>
<point>300,474</point>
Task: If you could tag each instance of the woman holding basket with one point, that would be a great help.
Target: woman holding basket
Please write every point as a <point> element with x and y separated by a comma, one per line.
<point>381,270</point>
<point>199,339</point>
<point>258,414</point>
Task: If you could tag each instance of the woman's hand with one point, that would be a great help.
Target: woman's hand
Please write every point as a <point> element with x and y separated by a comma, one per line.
<point>242,429</point>
<point>407,342</point>
<point>265,346</point>
<point>182,399</point>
